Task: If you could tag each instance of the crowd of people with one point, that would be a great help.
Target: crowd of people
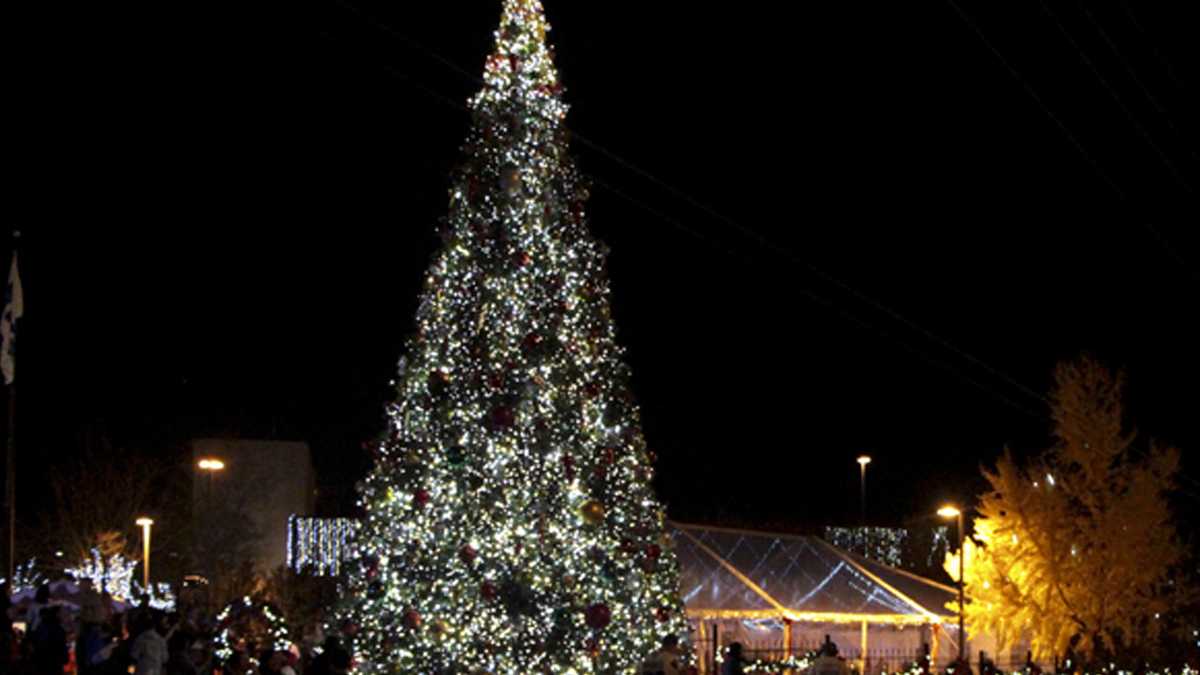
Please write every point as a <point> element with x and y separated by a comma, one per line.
<point>87,637</point>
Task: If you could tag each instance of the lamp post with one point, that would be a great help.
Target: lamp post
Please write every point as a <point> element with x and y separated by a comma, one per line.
<point>949,511</point>
<point>145,523</point>
<point>210,466</point>
<point>863,461</point>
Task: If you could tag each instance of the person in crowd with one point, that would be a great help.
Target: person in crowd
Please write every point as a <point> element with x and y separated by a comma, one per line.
<point>106,605</point>
<point>95,647</point>
<point>8,635</point>
<point>33,615</point>
<point>113,658</point>
<point>240,664</point>
<point>91,604</point>
<point>735,662</point>
<point>276,662</point>
<point>51,650</point>
<point>201,657</point>
<point>667,660</point>
<point>339,663</point>
<point>271,662</point>
<point>827,661</point>
<point>91,617</point>
<point>960,667</point>
<point>179,661</point>
<point>313,635</point>
<point>332,653</point>
<point>149,651</point>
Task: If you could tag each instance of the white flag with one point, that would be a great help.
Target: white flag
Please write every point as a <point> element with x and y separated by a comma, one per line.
<point>14,307</point>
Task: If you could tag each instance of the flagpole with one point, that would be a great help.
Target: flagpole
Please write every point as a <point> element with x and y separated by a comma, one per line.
<point>10,482</point>
<point>10,447</point>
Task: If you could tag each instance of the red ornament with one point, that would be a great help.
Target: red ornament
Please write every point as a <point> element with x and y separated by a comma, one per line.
<point>438,380</point>
<point>487,591</point>
<point>608,456</point>
<point>521,259</point>
<point>514,62</point>
<point>412,619</point>
<point>421,497</point>
<point>591,389</point>
<point>531,341</point>
<point>663,614</point>
<point>592,645</point>
<point>653,551</point>
<point>627,546</point>
<point>503,417</point>
<point>598,616</point>
<point>467,553</point>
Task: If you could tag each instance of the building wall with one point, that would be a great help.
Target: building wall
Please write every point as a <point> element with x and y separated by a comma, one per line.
<point>267,481</point>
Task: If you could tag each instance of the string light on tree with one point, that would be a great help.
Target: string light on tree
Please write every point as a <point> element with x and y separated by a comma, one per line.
<point>510,523</point>
<point>233,624</point>
<point>25,577</point>
<point>114,575</point>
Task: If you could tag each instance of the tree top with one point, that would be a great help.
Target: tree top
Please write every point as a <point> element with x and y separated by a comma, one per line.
<point>521,66</point>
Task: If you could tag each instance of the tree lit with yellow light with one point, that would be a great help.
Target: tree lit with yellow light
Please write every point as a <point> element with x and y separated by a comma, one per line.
<point>1078,550</point>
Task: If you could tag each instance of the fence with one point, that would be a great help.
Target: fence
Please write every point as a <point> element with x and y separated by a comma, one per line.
<point>877,660</point>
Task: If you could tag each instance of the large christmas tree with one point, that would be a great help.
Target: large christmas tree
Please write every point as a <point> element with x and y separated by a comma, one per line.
<point>511,525</point>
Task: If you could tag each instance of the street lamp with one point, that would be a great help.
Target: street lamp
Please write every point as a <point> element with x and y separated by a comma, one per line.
<point>211,466</point>
<point>949,511</point>
<point>145,523</point>
<point>863,461</point>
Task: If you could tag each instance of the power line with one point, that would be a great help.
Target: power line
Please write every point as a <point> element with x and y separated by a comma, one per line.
<point>844,314</point>
<point>811,295</point>
<point>770,246</point>
<point>745,231</point>
<point>1062,127</point>
<point>1112,45</point>
<point>1087,60</point>
<point>1158,54</point>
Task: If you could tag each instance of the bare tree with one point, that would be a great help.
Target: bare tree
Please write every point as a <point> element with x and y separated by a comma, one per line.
<point>97,499</point>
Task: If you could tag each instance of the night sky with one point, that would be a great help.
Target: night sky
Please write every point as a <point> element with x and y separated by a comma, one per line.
<point>836,228</point>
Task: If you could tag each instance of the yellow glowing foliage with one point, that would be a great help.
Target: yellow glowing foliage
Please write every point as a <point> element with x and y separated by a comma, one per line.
<point>1076,546</point>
